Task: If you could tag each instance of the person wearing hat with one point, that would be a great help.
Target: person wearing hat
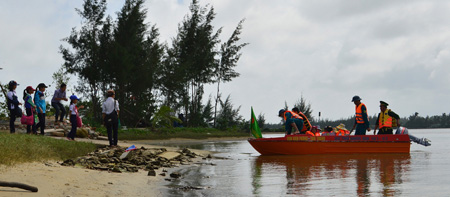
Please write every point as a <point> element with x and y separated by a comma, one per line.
<point>73,117</point>
<point>39,100</point>
<point>341,130</point>
<point>306,124</point>
<point>386,120</point>
<point>30,108</point>
<point>110,112</point>
<point>58,96</point>
<point>361,118</point>
<point>13,105</point>
<point>292,120</point>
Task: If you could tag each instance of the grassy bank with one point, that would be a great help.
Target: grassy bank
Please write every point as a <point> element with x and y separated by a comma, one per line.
<point>190,133</point>
<point>20,148</point>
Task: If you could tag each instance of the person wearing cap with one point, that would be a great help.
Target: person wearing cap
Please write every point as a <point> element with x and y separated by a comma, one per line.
<point>39,100</point>
<point>30,108</point>
<point>73,117</point>
<point>293,121</point>
<point>361,118</point>
<point>60,95</point>
<point>306,124</point>
<point>110,113</point>
<point>386,120</point>
<point>13,103</point>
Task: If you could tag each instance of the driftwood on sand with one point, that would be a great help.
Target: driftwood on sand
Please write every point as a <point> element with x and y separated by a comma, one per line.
<point>18,185</point>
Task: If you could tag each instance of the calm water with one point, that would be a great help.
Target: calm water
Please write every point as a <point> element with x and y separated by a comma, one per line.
<point>244,172</point>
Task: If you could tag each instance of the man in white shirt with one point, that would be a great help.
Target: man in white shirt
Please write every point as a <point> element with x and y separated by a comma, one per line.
<point>110,112</point>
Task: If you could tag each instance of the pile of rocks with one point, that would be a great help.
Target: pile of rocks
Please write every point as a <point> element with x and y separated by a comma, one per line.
<point>118,160</point>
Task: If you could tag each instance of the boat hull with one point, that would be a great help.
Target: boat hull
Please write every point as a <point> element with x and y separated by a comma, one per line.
<point>303,144</point>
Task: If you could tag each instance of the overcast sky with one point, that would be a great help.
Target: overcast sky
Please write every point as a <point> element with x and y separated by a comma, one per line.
<point>327,51</point>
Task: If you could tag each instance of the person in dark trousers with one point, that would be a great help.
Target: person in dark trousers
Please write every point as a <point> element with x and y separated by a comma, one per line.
<point>13,105</point>
<point>60,95</point>
<point>73,117</point>
<point>110,112</point>
<point>39,100</point>
<point>386,120</point>
<point>361,118</point>
<point>293,121</point>
<point>30,108</point>
<point>306,124</point>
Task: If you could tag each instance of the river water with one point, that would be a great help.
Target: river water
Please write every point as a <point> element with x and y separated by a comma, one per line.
<point>244,172</point>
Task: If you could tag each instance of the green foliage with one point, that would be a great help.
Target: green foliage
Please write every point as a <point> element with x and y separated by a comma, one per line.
<point>261,121</point>
<point>86,60</point>
<point>19,148</point>
<point>163,118</point>
<point>137,55</point>
<point>228,116</point>
<point>126,55</point>
<point>60,77</point>
<point>230,55</point>
<point>304,107</point>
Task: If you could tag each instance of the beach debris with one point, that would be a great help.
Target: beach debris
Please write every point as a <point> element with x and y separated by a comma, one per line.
<point>151,173</point>
<point>18,185</point>
<point>175,175</point>
<point>119,160</point>
<point>189,188</point>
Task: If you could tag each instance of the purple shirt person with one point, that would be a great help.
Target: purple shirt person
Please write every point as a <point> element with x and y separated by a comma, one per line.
<point>59,95</point>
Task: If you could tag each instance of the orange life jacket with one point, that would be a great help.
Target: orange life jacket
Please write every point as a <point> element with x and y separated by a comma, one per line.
<point>294,115</point>
<point>309,133</point>
<point>359,114</point>
<point>342,132</point>
<point>385,120</point>
<point>306,124</point>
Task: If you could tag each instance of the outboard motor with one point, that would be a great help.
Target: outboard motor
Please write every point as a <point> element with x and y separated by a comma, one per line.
<point>421,141</point>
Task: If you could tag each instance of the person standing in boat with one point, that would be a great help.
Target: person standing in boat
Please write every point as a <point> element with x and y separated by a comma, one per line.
<point>361,119</point>
<point>292,121</point>
<point>306,124</point>
<point>386,120</point>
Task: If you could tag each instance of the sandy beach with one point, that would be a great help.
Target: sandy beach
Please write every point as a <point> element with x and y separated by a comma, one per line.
<point>52,179</point>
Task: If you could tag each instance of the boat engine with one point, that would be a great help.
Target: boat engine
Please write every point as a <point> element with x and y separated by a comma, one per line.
<point>422,141</point>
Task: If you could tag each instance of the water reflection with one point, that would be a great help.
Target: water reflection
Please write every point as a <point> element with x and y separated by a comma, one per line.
<point>315,174</point>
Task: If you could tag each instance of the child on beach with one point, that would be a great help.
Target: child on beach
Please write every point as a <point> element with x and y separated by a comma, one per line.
<point>73,117</point>
<point>39,99</point>
<point>30,107</point>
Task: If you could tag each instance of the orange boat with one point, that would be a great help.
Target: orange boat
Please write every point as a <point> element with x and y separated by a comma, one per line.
<point>305,144</point>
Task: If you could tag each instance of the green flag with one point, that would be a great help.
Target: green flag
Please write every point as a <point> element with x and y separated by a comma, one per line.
<point>254,128</point>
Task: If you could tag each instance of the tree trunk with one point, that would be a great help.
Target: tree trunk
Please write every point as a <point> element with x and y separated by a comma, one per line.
<point>215,105</point>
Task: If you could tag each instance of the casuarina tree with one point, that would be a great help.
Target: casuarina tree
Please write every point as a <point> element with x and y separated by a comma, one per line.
<point>85,60</point>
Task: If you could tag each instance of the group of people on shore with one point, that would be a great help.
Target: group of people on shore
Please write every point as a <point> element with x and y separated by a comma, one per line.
<point>387,119</point>
<point>35,106</point>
